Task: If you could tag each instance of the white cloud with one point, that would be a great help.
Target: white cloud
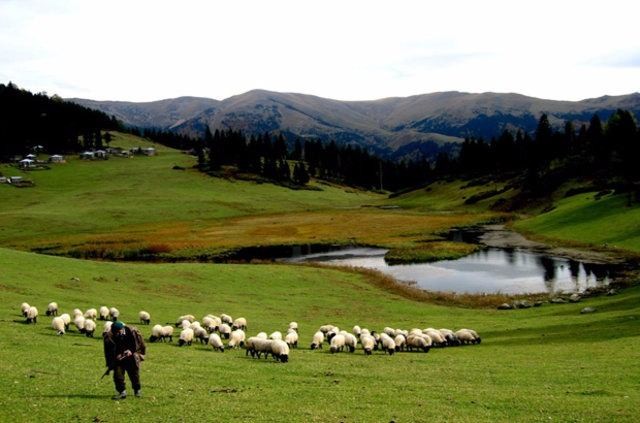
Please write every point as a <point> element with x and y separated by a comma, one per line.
<point>147,50</point>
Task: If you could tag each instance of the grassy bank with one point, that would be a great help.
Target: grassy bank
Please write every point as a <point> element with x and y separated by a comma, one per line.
<point>536,364</point>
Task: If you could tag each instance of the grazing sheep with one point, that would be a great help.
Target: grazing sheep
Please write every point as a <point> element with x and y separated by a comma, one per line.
<point>262,335</point>
<point>436,337</point>
<point>236,339</point>
<point>421,342</point>
<point>337,343</point>
<point>257,346</point>
<point>89,327</point>
<point>468,336</point>
<point>294,326</point>
<point>24,308</point>
<point>216,342</point>
<point>400,341</point>
<point>333,332</point>
<point>350,341</point>
<point>368,343</point>
<point>77,312</point>
<point>156,333</point>
<point>389,331</point>
<point>167,332</point>
<point>92,313</point>
<point>388,344</point>
<point>32,315</point>
<point>58,325</point>
<point>211,322</point>
<point>452,339</point>
<point>239,323</point>
<point>104,313</point>
<point>189,317</point>
<point>280,350</point>
<point>200,334</point>
<point>52,309</point>
<point>66,319</point>
<point>318,339</point>
<point>226,319</point>
<point>107,327</point>
<point>291,338</point>
<point>326,328</point>
<point>186,337</point>
<point>225,330</point>
<point>145,318</point>
<point>277,335</point>
<point>195,325</point>
<point>185,324</point>
<point>114,313</point>
<point>357,331</point>
<point>79,321</point>
<point>365,331</point>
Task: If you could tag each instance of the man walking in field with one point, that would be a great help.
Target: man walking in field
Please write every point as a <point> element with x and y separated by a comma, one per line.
<point>124,349</point>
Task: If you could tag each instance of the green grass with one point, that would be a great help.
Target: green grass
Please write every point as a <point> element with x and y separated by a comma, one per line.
<point>533,365</point>
<point>604,223</point>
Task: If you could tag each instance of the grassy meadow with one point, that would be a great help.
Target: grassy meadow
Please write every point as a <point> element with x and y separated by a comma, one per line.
<point>550,363</point>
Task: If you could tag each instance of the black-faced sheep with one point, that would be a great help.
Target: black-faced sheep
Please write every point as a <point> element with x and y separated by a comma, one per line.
<point>32,315</point>
<point>145,317</point>
<point>216,342</point>
<point>318,339</point>
<point>186,337</point>
<point>52,309</point>
<point>58,325</point>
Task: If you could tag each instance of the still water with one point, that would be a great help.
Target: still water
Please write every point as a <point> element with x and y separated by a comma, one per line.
<point>492,270</point>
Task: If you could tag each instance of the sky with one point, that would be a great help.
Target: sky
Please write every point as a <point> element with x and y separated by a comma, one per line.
<point>347,49</point>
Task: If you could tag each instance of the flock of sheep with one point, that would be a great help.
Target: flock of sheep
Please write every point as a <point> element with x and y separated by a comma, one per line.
<point>213,329</point>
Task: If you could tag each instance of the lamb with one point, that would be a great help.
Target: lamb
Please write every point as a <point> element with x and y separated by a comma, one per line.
<point>186,337</point>
<point>400,341</point>
<point>350,341</point>
<point>52,309</point>
<point>239,323</point>
<point>216,342</point>
<point>32,315</point>
<point>388,344</point>
<point>226,319</point>
<point>201,334</point>
<point>66,319</point>
<point>236,339</point>
<point>294,326</point>
<point>368,343</point>
<point>468,336</point>
<point>89,327</point>
<point>114,313</point>
<point>58,325</point>
<point>79,321</point>
<point>277,335</point>
<point>145,318</point>
<point>280,350</point>
<point>292,338</point>
<point>92,313</point>
<point>337,343</point>
<point>225,330</point>
<point>104,313</point>
<point>318,339</point>
<point>24,308</point>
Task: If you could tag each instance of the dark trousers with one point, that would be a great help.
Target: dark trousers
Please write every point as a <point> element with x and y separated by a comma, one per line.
<point>132,369</point>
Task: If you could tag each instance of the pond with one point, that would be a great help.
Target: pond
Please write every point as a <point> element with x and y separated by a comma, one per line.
<point>491,270</point>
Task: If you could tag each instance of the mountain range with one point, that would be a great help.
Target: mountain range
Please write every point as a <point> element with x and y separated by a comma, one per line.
<point>394,127</point>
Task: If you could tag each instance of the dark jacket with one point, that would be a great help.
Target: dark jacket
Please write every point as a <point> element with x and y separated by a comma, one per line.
<point>115,345</point>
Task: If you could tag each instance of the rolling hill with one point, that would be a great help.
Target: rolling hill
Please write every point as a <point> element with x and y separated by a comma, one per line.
<point>396,127</point>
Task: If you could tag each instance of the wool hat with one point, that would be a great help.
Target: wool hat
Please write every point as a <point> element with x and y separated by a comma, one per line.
<point>117,325</point>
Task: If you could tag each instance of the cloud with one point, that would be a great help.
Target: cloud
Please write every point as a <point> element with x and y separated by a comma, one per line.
<point>627,59</point>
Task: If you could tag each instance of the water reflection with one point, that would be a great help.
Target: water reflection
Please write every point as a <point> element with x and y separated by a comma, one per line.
<point>509,271</point>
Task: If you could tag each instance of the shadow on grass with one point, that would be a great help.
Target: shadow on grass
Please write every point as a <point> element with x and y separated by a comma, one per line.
<point>80,396</point>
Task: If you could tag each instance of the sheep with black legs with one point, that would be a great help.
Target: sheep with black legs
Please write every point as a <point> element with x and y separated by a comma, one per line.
<point>145,317</point>
<point>368,343</point>
<point>32,315</point>
<point>236,339</point>
<point>186,337</point>
<point>450,336</point>
<point>58,325</point>
<point>52,309</point>
<point>388,344</point>
<point>200,334</point>
<point>167,332</point>
<point>258,346</point>
<point>89,327</point>
<point>294,326</point>
<point>400,341</point>
<point>419,341</point>
<point>468,336</point>
<point>24,308</point>
<point>104,313</point>
<point>239,323</point>
<point>280,350</point>
<point>211,322</point>
<point>114,313</point>
<point>337,343</point>
<point>357,331</point>
<point>436,337</point>
<point>79,321</point>
<point>350,340</point>
<point>156,333</point>
<point>277,335</point>
<point>226,319</point>
<point>216,342</point>
<point>291,338</point>
<point>318,339</point>
<point>91,313</point>
<point>224,330</point>
<point>66,319</point>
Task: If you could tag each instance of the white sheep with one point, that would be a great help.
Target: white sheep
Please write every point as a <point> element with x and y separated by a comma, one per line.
<point>224,330</point>
<point>195,325</point>
<point>200,334</point>
<point>236,339</point>
<point>294,326</point>
<point>277,335</point>
<point>186,337</point>
<point>262,335</point>
<point>291,338</point>
<point>318,339</point>
<point>79,321</point>
<point>89,327</point>
<point>52,309</point>
<point>326,328</point>
<point>388,344</point>
<point>24,308</point>
<point>226,319</point>
<point>114,313</point>
<point>357,331</point>
<point>156,333</point>
<point>77,311</point>
<point>257,346</point>
<point>280,350</point>
<point>368,343</point>
<point>145,317</point>
<point>104,313</point>
<point>185,324</point>
<point>91,313</point>
<point>58,325</point>
<point>211,322</point>
<point>66,319</point>
<point>189,317</point>
<point>400,341</point>
<point>350,341</point>
<point>167,332</point>
<point>32,315</point>
<point>466,336</point>
<point>389,331</point>
<point>422,342</point>
<point>337,343</point>
<point>450,336</point>
<point>239,323</point>
<point>216,342</point>
<point>436,337</point>
<point>107,327</point>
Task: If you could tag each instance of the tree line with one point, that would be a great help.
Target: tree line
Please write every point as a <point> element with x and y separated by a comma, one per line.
<point>28,120</point>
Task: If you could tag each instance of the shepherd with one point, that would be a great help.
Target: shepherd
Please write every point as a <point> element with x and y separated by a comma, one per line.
<point>124,350</point>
